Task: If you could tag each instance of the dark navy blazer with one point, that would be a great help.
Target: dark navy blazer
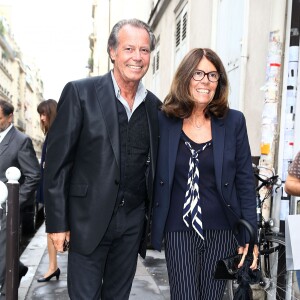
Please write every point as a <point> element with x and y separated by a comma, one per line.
<point>233,171</point>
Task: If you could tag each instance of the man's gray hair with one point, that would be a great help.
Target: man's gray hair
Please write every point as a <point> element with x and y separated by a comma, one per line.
<point>113,40</point>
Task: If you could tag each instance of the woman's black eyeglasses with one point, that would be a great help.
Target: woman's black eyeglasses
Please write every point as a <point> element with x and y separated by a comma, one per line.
<point>212,76</point>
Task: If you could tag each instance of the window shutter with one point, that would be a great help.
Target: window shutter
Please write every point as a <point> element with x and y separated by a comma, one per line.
<point>178,33</point>
<point>181,35</point>
<point>184,26</point>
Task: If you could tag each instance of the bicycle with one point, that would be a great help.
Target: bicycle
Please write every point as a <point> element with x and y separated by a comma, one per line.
<point>271,243</point>
<point>272,261</point>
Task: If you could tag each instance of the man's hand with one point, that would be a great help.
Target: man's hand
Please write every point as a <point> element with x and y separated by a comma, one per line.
<point>59,239</point>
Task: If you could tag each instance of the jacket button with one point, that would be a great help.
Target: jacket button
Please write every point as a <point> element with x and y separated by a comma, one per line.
<point>117,182</point>
<point>156,204</point>
<point>226,184</point>
<point>161,182</point>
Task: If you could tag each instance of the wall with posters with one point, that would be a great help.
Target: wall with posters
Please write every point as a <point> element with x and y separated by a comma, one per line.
<point>291,91</point>
<point>289,143</point>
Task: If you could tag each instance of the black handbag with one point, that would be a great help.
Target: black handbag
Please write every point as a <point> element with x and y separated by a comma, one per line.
<point>227,268</point>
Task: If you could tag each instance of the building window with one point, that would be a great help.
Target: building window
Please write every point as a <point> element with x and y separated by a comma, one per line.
<point>155,69</point>
<point>181,35</point>
<point>155,62</point>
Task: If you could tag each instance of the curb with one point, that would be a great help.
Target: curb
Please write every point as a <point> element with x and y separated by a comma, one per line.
<point>31,257</point>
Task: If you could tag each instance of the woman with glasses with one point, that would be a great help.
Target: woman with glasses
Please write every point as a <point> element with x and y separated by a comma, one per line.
<point>204,179</point>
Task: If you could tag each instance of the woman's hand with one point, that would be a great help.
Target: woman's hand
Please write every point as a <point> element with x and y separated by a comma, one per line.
<point>244,251</point>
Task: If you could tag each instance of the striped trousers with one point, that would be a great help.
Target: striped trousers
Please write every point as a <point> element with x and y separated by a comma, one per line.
<point>191,262</point>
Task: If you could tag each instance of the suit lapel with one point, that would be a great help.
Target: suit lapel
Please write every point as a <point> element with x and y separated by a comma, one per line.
<point>152,110</point>
<point>174,137</point>
<point>107,100</point>
<point>218,137</point>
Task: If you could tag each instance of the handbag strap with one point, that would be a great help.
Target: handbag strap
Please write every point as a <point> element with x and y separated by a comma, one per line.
<point>251,232</point>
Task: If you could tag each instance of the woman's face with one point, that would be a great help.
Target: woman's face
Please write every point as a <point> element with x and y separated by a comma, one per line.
<point>203,91</point>
<point>44,120</point>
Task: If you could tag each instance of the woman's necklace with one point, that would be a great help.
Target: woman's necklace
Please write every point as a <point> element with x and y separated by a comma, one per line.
<point>195,125</point>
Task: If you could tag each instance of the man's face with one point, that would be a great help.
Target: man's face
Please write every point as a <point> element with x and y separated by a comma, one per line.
<point>5,121</point>
<point>132,56</point>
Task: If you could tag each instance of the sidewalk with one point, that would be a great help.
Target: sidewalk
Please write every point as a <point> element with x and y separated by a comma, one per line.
<point>150,282</point>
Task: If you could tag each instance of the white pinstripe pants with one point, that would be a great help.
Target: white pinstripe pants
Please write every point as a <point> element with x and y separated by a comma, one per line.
<point>191,262</point>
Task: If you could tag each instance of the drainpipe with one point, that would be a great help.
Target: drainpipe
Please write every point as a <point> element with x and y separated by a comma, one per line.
<point>272,105</point>
<point>244,56</point>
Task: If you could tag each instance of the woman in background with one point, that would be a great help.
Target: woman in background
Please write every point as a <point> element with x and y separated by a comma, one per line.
<point>47,112</point>
<point>204,180</point>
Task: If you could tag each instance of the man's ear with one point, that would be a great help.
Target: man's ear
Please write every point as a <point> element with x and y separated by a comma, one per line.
<point>112,53</point>
<point>10,118</point>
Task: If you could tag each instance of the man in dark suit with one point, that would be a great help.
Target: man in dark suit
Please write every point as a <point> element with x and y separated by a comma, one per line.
<point>99,169</point>
<point>16,150</point>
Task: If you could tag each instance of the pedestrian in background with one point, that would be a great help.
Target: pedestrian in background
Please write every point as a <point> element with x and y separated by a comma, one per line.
<point>47,112</point>
<point>99,169</point>
<point>292,183</point>
<point>292,187</point>
<point>16,150</point>
<point>204,180</point>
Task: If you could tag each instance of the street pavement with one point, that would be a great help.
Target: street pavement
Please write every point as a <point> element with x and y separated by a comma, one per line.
<point>150,281</point>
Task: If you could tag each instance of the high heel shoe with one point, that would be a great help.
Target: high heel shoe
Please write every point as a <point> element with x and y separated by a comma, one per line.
<point>54,274</point>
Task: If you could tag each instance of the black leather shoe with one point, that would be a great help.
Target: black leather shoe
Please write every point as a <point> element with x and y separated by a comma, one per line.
<point>22,272</point>
<point>54,274</point>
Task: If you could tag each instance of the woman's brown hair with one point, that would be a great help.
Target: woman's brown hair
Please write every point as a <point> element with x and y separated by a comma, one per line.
<point>179,102</point>
<point>47,108</point>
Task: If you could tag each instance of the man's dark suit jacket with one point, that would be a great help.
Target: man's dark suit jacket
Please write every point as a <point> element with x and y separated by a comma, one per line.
<point>16,150</point>
<point>233,171</point>
<point>82,169</point>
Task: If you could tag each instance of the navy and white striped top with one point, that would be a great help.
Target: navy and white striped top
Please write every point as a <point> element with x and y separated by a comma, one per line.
<point>213,216</point>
